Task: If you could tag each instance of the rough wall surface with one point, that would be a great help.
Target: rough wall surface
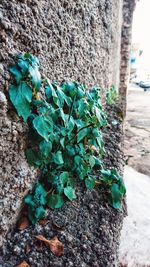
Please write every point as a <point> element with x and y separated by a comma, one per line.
<point>15,175</point>
<point>88,227</point>
<point>74,40</point>
<point>116,43</point>
<point>126,38</point>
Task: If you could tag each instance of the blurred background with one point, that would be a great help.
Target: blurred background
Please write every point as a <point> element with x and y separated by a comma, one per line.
<point>135,237</point>
<point>140,52</point>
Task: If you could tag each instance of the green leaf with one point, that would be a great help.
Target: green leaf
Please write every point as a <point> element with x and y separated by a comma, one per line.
<point>39,212</point>
<point>106,172</point>
<point>64,176</point>
<point>57,158</point>
<point>80,149</point>
<point>82,134</point>
<point>69,193</point>
<point>63,97</point>
<point>63,116</point>
<point>70,149</point>
<point>80,93</point>
<point>95,132</point>
<point>40,194</point>
<point>116,196</point>
<point>116,204</point>
<point>71,125</point>
<point>62,142</point>
<point>98,114</point>
<point>35,214</point>
<point>77,160</point>
<point>42,111</point>
<point>23,64</point>
<point>21,97</point>
<point>33,158</point>
<point>90,183</point>
<point>98,162</point>
<point>48,92</point>
<point>106,176</point>
<point>79,123</point>
<point>31,215</point>
<point>32,59</point>
<point>51,91</point>
<point>35,77</point>
<point>43,126</point>
<point>92,161</point>
<point>122,188</point>
<point>55,201</point>
<point>57,183</point>
<point>70,88</point>
<point>100,141</point>
<point>115,174</point>
<point>29,200</point>
<point>16,73</point>
<point>45,148</point>
<point>81,107</point>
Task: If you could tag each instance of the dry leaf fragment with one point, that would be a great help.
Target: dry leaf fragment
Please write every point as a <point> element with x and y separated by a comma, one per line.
<point>54,244</point>
<point>74,203</point>
<point>23,264</point>
<point>23,223</point>
<point>43,222</point>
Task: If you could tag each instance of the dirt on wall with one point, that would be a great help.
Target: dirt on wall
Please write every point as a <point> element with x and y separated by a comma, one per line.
<point>74,40</point>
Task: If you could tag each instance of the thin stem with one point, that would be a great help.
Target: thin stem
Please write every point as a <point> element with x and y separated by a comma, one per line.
<point>71,107</point>
<point>89,125</point>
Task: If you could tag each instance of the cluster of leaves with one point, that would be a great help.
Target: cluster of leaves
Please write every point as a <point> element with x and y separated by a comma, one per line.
<point>112,179</point>
<point>65,138</point>
<point>111,95</point>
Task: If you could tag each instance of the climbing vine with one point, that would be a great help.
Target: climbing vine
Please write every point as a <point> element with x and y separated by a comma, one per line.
<point>64,137</point>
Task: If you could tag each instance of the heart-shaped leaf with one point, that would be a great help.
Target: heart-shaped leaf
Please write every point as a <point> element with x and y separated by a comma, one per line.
<point>21,97</point>
<point>55,201</point>
<point>43,126</point>
<point>90,183</point>
<point>69,193</point>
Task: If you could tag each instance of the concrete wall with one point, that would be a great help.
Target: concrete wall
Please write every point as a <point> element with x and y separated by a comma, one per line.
<point>116,43</point>
<point>77,40</point>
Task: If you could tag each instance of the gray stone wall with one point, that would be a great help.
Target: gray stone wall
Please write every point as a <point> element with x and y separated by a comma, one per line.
<point>77,40</point>
<point>116,43</point>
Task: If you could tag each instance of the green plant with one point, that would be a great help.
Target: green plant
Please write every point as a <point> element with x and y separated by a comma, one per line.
<point>111,95</point>
<point>36,202</point>
<point>64,139</point>
<point>114,182</point>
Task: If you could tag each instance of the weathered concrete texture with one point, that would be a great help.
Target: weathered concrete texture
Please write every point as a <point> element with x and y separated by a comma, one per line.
<point>126,38</point>
<point>116,43</point>
<point>90,226</point>
<point>74,40</point>
<point>16,176</point>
